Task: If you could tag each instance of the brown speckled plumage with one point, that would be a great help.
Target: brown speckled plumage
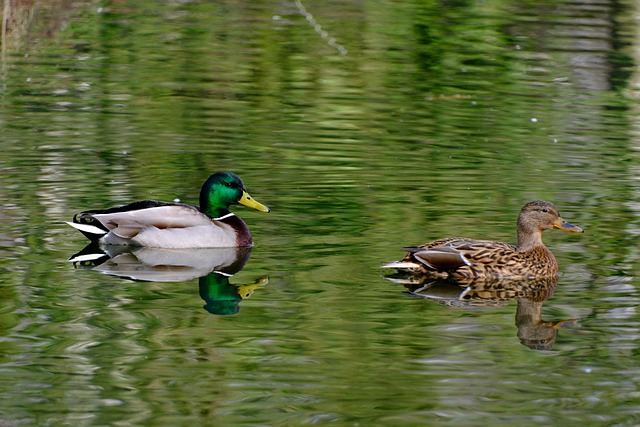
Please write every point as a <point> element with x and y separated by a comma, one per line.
<point>462,258</point>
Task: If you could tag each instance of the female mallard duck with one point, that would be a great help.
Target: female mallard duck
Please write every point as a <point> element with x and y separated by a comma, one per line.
<point>175,225</point>
<point>463,258</point>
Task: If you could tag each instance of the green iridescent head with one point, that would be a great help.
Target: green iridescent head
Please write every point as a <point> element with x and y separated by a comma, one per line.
<point>222,190</point>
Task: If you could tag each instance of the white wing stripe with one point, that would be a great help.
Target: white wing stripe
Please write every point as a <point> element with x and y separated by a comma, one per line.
<point>92,229</point>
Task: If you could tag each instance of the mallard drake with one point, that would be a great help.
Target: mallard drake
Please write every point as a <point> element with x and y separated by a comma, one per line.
<point>462,258</point>
<point>156,224</point>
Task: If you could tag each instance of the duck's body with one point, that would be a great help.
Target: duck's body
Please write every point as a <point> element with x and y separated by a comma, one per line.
<point>462,258</point>
<point>150,223</point>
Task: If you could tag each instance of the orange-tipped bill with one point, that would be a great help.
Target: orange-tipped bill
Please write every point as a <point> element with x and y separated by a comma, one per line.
<point>561,224</point>
<point>251,203</point>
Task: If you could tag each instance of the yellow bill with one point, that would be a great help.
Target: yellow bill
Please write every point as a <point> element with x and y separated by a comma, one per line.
<point>251,203</point>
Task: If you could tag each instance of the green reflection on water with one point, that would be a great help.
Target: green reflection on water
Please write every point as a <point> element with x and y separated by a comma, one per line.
<point>442,119</point>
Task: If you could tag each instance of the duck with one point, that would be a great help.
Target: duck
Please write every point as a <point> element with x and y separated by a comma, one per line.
<point>154,224</point>
<point>461,258</point>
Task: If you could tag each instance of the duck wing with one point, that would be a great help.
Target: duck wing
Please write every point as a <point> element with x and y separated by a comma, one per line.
<point>456,255</point>
<point>482,251</point>
<point>127,221</point>
<point>443,258</point>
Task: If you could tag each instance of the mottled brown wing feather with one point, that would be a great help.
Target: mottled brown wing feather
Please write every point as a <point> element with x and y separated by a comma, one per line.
<point>442,258</point>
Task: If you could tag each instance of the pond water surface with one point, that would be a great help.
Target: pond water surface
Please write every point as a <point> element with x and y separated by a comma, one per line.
<point>365,127</point>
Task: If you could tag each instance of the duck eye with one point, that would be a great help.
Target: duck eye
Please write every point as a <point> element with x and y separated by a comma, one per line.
<point>545,210</point>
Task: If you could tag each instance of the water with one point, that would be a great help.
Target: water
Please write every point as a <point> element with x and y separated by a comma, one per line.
<point>405,122</point>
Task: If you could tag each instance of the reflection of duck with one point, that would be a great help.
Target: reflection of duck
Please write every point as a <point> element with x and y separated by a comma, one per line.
<point>473,259</point>
<point>533,332</point>
<point>213,267</point>
<point>161,265</point>
<point>175,225</point>
<point>480,293</point>
<point>221,297</point>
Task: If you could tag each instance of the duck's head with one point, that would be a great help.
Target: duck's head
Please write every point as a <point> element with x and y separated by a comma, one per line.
<point>537,216</point>
<point>222,190</point>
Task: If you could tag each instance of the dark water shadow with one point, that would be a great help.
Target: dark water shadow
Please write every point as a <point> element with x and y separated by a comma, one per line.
<point>533,331</point>
<point>212,267</point>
